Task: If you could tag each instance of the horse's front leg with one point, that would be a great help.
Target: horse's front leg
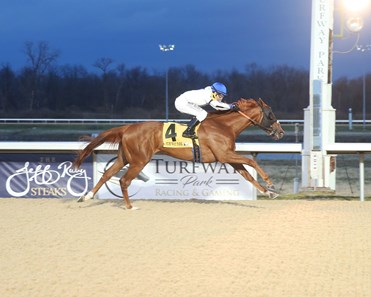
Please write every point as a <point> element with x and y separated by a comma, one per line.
<point>263,175</point>
<point>242,170</point>
<point>269,191</point>
<point>234,158</point>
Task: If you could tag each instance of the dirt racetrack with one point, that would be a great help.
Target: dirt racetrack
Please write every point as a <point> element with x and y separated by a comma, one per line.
<point>251,248</point>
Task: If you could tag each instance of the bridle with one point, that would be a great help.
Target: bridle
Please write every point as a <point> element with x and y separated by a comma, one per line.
<point>269,130</point>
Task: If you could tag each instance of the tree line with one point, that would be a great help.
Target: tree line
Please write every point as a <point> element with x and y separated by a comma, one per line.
<point>44,89</point>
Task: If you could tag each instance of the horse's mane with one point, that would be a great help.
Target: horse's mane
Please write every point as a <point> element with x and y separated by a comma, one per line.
<point>243,104</point>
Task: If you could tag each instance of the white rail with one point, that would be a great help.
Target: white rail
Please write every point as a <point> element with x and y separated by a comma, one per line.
<point>353,148</point>
<point>74,146</point>
<point>89,121</point>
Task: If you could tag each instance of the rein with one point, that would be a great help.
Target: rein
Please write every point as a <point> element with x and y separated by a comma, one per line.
<point>247,117</point>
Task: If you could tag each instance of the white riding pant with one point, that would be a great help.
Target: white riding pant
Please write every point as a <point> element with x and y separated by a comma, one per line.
<point>191,108</point>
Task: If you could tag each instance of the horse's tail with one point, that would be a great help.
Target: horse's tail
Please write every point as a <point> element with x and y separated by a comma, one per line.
<point>112,136</point>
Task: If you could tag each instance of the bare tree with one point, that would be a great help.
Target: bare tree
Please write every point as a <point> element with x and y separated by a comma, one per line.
<point>40,57</point>
<point>121,69</point>
<point>7,88</point>
<point>104,64</point>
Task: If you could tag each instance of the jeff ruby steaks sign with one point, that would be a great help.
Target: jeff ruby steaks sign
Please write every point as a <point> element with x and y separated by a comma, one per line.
<point>43,176</point>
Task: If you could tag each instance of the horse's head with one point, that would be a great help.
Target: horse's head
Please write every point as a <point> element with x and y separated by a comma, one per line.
<point>261,115</point>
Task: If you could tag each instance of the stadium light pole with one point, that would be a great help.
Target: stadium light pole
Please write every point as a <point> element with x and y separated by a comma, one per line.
<point>166,48</point>
<point>363,49</point>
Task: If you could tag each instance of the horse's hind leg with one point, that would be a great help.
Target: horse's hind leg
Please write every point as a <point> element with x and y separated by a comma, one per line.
<point>125,181</point>
<point>116,167</point>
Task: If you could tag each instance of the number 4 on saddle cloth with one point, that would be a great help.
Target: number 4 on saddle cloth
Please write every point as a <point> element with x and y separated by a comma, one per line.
<point>172,137</point>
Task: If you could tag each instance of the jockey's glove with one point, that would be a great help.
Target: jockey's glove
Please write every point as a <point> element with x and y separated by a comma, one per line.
<point>233,107</point>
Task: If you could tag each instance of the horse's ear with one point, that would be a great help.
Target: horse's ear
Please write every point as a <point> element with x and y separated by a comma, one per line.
<point>260,102</point>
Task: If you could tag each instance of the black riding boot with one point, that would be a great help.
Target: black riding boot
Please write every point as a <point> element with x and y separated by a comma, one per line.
<point>190,131</point>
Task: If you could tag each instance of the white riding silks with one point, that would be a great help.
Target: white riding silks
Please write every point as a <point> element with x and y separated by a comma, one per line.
<point>219,105</point>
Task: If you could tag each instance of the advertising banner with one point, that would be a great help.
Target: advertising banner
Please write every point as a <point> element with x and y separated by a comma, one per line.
<point>43,176</point>
<point>168,178</point>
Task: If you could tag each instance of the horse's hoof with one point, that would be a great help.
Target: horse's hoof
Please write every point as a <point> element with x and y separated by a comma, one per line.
<point>271,188</point>
<point>272,195</point>
<point>85,197</point>
<point>81,199</point>
<point>132,208</point>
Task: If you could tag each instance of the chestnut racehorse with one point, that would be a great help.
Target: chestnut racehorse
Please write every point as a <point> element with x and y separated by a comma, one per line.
<point>217,134</point>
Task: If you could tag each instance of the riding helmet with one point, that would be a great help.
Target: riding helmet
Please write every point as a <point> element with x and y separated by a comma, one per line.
<point>219,88</point>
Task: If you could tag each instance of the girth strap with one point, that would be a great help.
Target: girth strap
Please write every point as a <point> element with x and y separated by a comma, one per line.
<point>196,151</point>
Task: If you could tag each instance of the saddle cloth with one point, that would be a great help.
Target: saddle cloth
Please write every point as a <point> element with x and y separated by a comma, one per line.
<point>172,135</point>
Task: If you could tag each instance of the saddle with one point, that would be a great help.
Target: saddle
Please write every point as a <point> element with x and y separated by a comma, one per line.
<point>172,137</point>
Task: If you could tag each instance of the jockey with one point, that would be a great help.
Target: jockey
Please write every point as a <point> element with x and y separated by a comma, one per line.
<point>190,102</point>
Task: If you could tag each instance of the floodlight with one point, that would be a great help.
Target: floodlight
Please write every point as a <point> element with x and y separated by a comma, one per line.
<point>354,24</point>
<point>355,6</point>
<point>166,47</point>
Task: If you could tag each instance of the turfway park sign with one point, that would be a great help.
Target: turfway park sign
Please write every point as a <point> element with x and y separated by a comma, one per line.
<point>168,178</point>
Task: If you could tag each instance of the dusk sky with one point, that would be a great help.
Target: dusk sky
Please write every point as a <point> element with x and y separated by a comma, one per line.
<point>211,35</point>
